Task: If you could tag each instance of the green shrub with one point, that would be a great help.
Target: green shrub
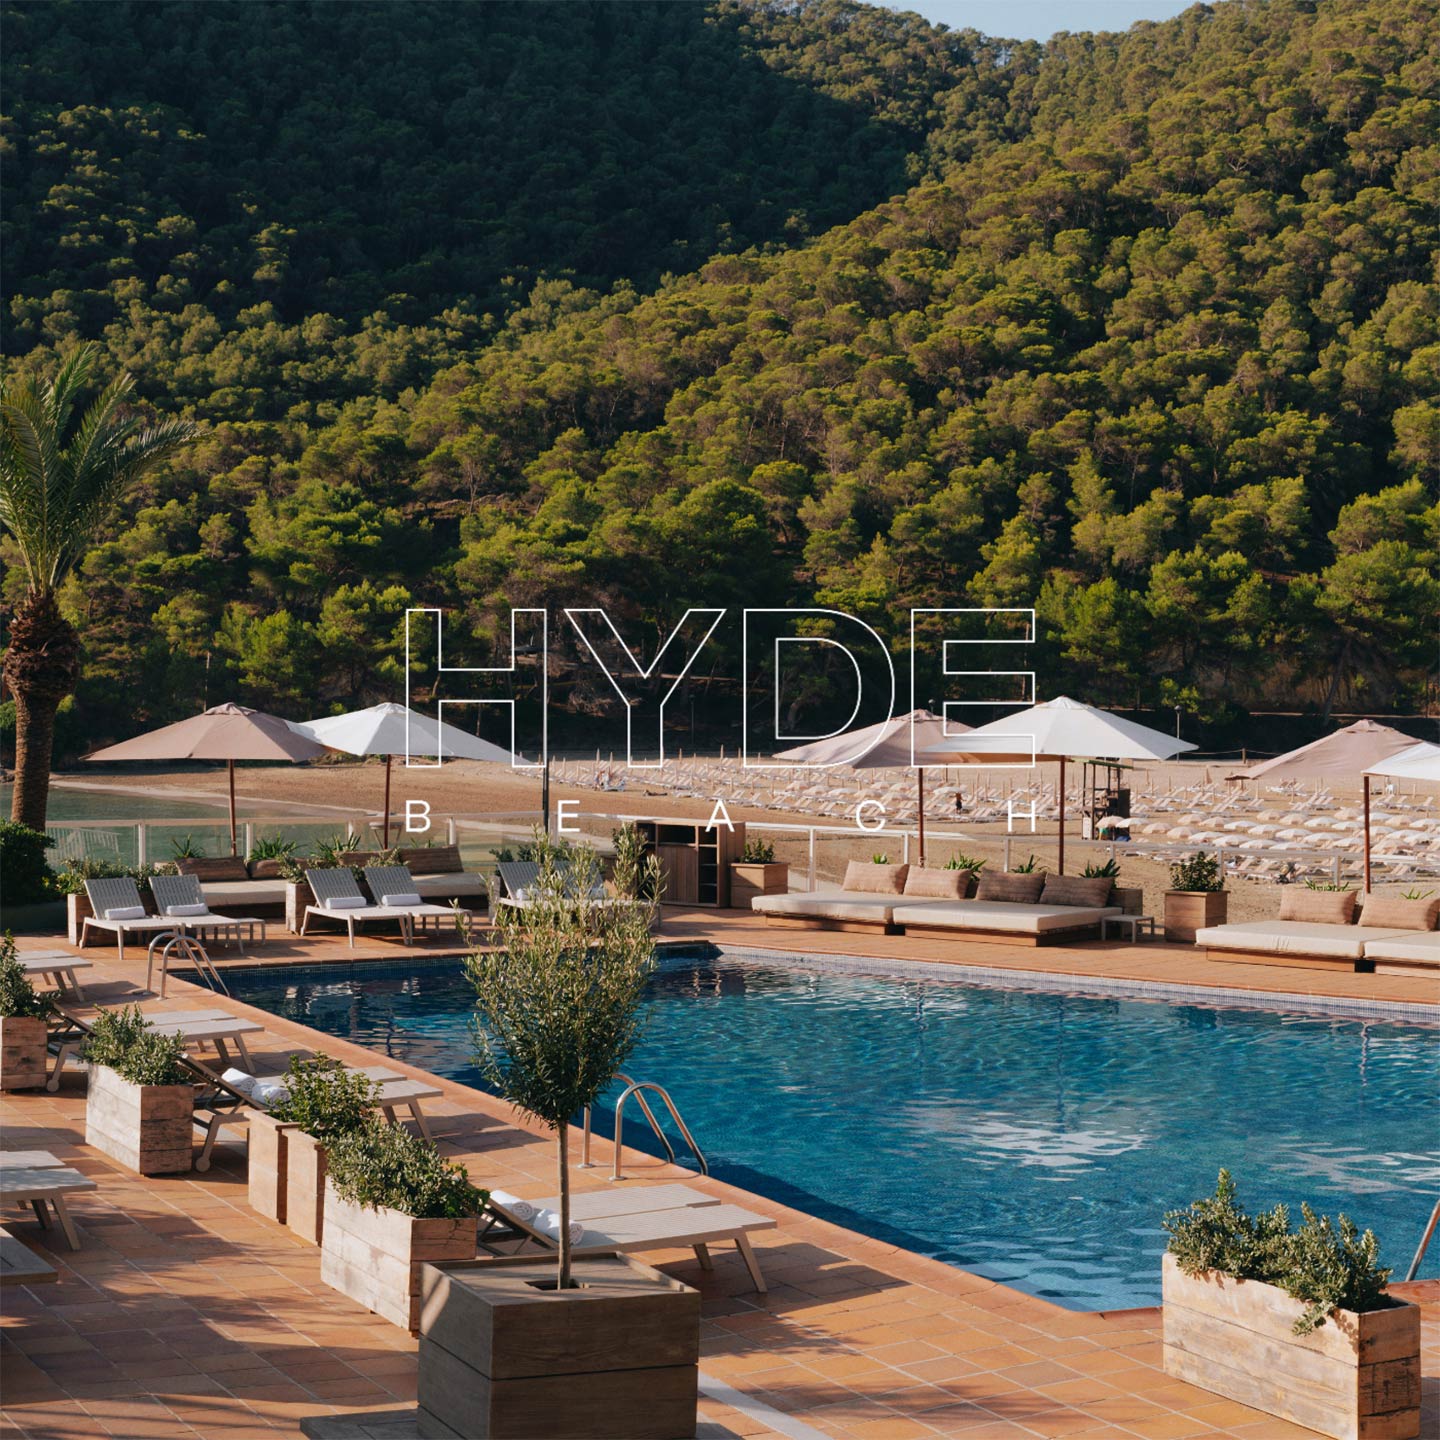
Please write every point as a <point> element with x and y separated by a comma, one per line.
<point>1030,866</point>
<point>1326,1266</point>
<point>1197,873</point>
<point>71,880</point>
<point>1327,885</point>
<point>123,1041</point>
<point>186,847</point>
<point>757,852</point>
<point>272,847</point>
<point>962,861</point>
<point>636,874</point>
<point>27,878</point>
<point>326,1100</point>
<point>379,1164</point>
<point>880,858</point>
<point>17,995</point>
<point>1110,870</point>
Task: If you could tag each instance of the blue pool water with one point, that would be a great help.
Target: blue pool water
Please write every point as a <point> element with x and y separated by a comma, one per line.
<point>1032,1137</point>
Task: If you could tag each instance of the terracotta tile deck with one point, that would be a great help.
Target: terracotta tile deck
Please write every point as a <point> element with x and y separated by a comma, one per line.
<point>184,1314</point>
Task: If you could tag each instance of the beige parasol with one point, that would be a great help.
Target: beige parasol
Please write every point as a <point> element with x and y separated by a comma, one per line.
<point>225,732</point>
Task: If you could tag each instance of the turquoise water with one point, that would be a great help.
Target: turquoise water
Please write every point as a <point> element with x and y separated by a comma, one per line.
<point>1035,1138</point>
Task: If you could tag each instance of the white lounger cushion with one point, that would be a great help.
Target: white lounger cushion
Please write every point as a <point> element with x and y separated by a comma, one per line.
<point>1297,937</point>
<point>1011,916</point>
<point>182,910</point>
<point>405,897</point>
<point>1422,949</point>
<point>345,902</point>
<point>126,912</point>
<point>837,905</point>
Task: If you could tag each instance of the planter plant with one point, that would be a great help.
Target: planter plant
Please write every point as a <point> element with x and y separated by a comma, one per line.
<point>323,1102</point>
<point>140,1104</point>
<point>392,1204</point>
<point>1293,1322</point>
<point>635,875</point>
<point>757,872</point>
<point>551,1345</point>
<point>1196,899</point>
<point>23,1017</point>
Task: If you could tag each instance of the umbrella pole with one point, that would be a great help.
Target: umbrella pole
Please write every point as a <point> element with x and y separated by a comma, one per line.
<point>920,776</point>
<point>385,819</point>
<point>1365,797</point>
<point>234,847</point>
<point>1062,814</point>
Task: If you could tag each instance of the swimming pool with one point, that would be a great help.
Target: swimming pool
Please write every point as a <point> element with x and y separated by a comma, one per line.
<point>1032,1137</point>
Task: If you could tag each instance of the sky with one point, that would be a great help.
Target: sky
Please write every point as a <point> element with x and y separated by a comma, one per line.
<point>1040,19</point>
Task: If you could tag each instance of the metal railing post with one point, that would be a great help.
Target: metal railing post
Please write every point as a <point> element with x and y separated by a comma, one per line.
<point>141,847</point>
<point>812,858</point>
<point>249,837</point>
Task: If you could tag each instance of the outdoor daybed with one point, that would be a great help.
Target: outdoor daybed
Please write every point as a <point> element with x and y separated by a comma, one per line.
<point>1008,909</point>
<point>1318,929</point>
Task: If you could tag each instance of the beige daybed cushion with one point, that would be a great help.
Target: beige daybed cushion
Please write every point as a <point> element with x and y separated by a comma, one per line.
<point>1086,890</point>
<point>937,884</point>
<point>1318,907</point>
<point>1010,887</point>
<point>1413,950</point>
<point>236,894</point>
<point>870,908</point>
<point>875,879</point>
<point>1001,915</point>
<point>1395,912</point>
<point>447,886</point>
<point>1296,937</point>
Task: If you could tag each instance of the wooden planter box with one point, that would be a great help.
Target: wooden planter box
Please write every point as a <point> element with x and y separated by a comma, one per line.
<point>375,1256</point>
<point>1187,911</point>
<point>1355,1378</point>
<point>615,1360</point>
<point>1130,899</point>
<point>268,1160</point>
<point>77,909</point>
<point>305,1163</point>
<point>749,879</point>
<point>147,1128</point>
<point>22,1052</point>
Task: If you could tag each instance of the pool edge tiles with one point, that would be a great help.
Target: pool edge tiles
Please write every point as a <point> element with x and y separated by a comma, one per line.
<point>1070,983</point>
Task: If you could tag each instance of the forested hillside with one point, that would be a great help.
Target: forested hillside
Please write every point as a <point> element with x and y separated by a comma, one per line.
<point>1141,329</point>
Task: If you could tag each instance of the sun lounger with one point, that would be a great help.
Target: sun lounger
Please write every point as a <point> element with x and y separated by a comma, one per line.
<point>521,880</point>
<point>222,1102</point>
<point>179,899</point>
<point>338,897</point>
<point>42,1185</point>
<point>1417,954</point>
<point>657,1217</point>
<point>198,1027</point>
<point>118,907</point>
<point>58,966</point>
<point>20,1265</point>
<point>394,886</point>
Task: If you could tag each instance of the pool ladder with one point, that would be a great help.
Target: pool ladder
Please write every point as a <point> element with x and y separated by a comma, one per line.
<point>191,951</point>
<point>1414,1269</point>
<point>638,1089</point>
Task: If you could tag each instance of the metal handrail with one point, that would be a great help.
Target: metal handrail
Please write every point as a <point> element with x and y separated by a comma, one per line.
<point>1424,1243</point>
<point>585,1161</point>
<point>636,1090</point>
<point>190,950</point>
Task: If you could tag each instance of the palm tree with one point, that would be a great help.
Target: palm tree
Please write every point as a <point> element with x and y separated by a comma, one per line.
<point>58,483</point>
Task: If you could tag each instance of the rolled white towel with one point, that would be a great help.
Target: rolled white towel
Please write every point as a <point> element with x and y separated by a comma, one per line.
<point>345,902</point>
<point>125,912</point>
<point>201,909</point>
<point>405,897</point>
<point>521,894</point>
<point>523,1210</point>
<point>241,1080</point>
<point>547,1222</point>
<point>269,1092</point>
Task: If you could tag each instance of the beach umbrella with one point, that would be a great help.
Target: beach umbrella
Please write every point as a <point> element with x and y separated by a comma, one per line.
<point>1419,761</point>
<point>1063,729</point>
<point>1343,753</point>
<point>889,745</point>
<point>224,732</point>
<point>392,730</point>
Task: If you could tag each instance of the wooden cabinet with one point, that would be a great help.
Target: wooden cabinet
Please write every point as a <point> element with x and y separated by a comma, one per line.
<point>695,858</point>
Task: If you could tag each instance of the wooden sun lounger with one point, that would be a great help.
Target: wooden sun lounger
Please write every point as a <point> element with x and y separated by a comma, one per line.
<point>20,1265</point>
<point>656,1217</point>
<point>216,1027</point>
<point>39,1185</point>
<point>58,966</point>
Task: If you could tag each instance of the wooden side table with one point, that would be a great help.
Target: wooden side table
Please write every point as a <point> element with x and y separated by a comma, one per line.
<point>1135,923</point>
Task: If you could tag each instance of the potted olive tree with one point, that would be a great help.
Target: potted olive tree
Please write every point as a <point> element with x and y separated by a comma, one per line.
<point>392,1204</point>
<point>1293,1322</point>
<point>23,1014</point>
<point>1196,899</point>
<point>594,1345</point>
<point>322,1101</point>
<point>635,875</point>
<point>757,872</point>
<point>140,1105</point>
